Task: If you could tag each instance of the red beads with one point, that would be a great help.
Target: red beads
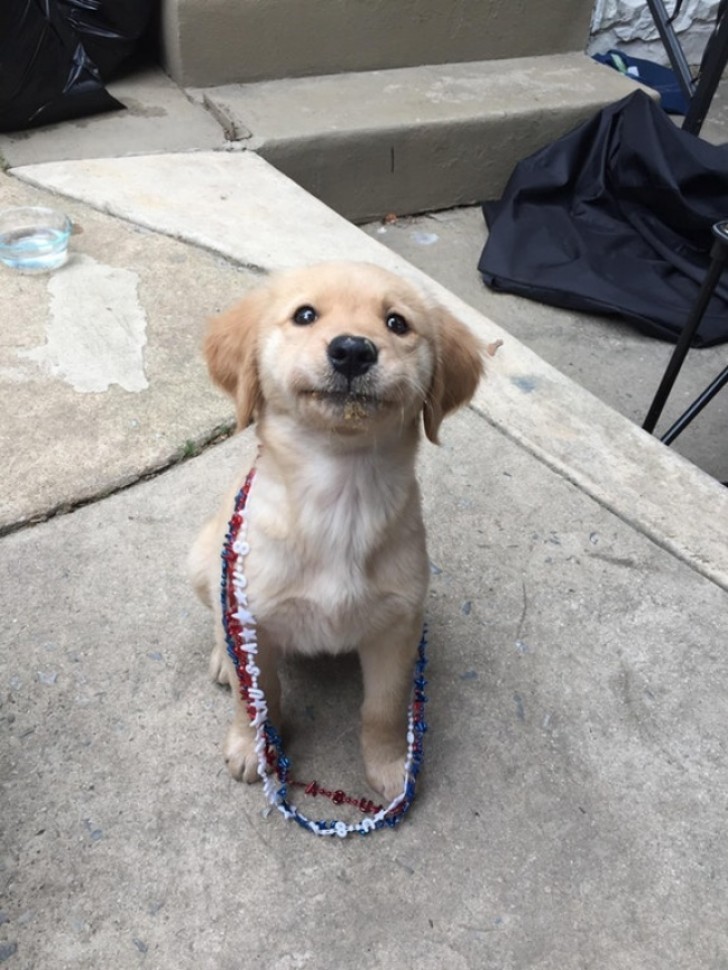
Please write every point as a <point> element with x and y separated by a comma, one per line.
<point>338,797</point>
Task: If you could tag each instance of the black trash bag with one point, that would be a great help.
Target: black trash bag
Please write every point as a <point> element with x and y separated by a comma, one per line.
<point>615,218</point>
<point>110,30</point>
<point>56,54</point>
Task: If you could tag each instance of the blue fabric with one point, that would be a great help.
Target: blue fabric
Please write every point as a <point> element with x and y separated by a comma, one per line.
<point>655,76</point>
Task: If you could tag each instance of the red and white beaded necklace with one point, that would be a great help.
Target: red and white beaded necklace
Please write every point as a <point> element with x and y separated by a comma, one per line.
<point>274,767</point>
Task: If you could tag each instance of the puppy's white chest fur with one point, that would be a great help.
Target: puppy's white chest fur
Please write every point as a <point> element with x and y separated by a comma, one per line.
<point>324,570</point>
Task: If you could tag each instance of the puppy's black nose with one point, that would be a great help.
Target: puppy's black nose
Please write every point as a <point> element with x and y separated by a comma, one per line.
<point>351,356</point>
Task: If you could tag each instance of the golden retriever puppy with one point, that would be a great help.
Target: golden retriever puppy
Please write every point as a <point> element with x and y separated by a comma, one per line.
<point>338,364</point>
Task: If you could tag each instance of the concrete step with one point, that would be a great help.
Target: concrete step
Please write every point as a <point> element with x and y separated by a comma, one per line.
<point>208,42</point>
<point>414,139</point>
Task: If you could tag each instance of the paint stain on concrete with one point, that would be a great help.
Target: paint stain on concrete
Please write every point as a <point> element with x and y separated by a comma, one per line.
<point>525,383</point>
<point>520,708</point>
<point>424,238</point>
<point>96,329</point>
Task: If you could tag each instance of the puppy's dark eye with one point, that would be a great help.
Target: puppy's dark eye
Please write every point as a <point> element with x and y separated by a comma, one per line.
<point>304,316</point>
<point>397,324</point>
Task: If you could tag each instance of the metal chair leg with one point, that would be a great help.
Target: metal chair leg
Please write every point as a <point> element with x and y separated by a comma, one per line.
<point>698,94</point>
<point>719,257</point>
<point>695,408</point>
<point>711,71</point>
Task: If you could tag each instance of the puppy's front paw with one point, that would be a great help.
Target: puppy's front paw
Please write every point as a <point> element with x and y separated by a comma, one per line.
<point>387,777</point>
<point>220,667</point>
<point>239,751</point>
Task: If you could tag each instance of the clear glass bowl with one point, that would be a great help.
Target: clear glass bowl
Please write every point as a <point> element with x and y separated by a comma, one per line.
<point>33,239</point>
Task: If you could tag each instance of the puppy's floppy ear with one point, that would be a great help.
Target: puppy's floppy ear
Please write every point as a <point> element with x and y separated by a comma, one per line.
<point>458,369</point>
<point>231,351</point>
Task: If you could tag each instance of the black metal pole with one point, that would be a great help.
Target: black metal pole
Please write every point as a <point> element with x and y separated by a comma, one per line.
<point>711,71</point>
<point>672,46</point>
<point>719,257</point>
<point>695,408</point>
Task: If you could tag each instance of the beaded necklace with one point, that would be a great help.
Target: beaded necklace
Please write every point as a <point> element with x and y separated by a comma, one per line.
<point>274,767</point>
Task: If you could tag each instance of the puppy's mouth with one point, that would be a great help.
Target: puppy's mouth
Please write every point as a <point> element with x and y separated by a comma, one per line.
<point>341,397</point>
<point>348,406</point>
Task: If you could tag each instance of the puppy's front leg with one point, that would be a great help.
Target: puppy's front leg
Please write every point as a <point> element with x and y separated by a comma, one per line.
<point>387,663</point>
<point>239,748</point>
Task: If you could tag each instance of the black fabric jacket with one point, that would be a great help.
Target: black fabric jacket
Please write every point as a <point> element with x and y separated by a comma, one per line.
<point>615,218</point>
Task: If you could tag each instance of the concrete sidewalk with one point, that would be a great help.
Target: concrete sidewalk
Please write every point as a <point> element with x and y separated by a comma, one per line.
<point>572,807</point>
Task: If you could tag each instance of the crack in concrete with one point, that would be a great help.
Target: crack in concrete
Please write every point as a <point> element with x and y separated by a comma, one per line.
<point>188,451</point>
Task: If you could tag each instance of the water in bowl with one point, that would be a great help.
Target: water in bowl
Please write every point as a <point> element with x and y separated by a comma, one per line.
<point>34,249</point>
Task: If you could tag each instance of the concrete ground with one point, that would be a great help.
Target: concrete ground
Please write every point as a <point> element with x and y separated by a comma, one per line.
<point>571,812</point>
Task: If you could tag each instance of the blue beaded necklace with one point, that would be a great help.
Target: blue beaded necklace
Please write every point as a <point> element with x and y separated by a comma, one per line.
<point>274,767</point>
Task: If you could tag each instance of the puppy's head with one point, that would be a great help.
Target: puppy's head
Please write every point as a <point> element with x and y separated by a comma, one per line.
<point>345,347</point>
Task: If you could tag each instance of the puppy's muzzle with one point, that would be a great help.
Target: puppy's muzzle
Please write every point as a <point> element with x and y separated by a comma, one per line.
<point>351,356</point>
